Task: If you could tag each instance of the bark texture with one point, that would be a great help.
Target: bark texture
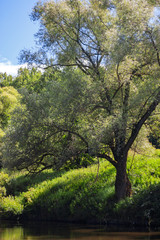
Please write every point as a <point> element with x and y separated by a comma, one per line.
<point>123,187</point>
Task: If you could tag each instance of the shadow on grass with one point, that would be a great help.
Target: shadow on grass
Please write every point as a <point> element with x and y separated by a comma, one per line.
<point>142,208</point>
<point>22,183</point>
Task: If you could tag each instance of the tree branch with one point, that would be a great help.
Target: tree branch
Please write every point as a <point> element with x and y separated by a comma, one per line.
<point>155,47</point>
<point>107,157</point>
<point>72,132</point>
<point>139,124</point>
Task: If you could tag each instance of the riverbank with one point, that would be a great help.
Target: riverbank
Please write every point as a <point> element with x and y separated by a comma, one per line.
<point>84,195</point>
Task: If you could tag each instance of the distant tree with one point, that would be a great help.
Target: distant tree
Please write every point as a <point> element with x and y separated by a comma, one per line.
<point>116,45</point>
<point>28,78</point>
<point>8,100</point>
<point>5,80</point>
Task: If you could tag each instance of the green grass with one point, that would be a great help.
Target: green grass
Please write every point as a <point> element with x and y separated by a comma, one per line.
<point>145,170</point>
<point>79,195</point>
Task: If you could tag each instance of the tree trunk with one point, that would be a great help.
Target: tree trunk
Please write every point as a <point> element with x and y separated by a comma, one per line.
<point>122,185</point>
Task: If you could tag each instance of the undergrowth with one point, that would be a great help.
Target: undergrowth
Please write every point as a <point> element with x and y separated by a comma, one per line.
<point>84,194</point>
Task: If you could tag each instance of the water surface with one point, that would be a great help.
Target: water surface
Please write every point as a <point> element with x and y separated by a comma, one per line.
<point>49,231</point>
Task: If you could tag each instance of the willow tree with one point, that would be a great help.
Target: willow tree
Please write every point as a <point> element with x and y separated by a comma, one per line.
<point>115,43</point>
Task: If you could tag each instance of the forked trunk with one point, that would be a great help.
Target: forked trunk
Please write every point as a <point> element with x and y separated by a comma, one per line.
<point>123,187</point>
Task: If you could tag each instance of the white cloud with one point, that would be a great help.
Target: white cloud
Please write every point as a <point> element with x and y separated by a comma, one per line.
<point>6,66</point>
<point>9,68</point>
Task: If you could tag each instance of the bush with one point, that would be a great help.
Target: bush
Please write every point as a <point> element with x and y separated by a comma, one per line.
<point>143,208</point>
<point>4,178</point>
<point>10,207</point>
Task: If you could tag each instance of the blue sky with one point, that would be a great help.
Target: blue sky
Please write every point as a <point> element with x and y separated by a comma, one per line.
<point>16,30</point>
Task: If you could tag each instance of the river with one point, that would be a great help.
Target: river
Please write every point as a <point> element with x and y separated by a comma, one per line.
<point>60,231</point>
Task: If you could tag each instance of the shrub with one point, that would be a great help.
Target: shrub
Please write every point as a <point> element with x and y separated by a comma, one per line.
<point>10,207</point>
<point>143,208</point>
<point>4,178</point>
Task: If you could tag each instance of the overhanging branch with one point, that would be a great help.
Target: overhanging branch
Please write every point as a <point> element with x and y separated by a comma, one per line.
<point>139,124</point>
<point>107,157</point>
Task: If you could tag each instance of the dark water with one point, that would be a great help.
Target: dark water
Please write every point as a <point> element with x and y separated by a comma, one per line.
<point>49,231</point>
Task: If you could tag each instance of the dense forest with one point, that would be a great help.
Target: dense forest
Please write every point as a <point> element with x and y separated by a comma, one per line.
<point>80,126</point>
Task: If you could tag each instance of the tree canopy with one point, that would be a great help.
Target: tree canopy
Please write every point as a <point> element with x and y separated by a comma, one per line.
<point>41,130</point>
<point>8,100</point>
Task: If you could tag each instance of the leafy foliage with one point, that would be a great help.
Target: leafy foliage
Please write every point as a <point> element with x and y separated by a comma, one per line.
<point>46,134</point>
<point>154,133</point>
<point>8,99</point>
<point>142,209</point>
<point>28,78</point>
<point>5,80</point>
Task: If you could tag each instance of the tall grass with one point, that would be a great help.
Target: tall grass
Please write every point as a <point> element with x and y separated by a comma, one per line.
<point>84,194</point>
<point>77,195</point>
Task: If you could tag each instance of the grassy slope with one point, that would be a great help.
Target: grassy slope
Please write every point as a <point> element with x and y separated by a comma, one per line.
<point>79,195</point>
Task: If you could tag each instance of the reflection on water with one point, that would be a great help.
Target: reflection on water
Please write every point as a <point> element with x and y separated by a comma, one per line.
<point>15,233</point>
<point>49,231</point>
